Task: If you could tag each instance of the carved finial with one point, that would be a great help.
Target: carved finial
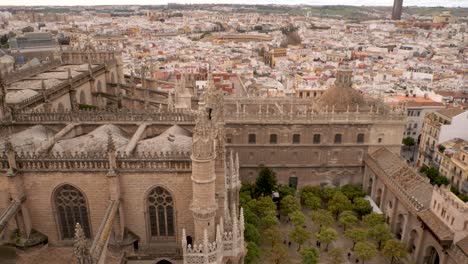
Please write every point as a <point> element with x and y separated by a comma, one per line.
<point>110,142</point>
<point>81,250</point>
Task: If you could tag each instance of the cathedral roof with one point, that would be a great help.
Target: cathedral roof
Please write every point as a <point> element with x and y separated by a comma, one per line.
<point>95,141</point>
<point>29,139</point>
<point>174,139</point>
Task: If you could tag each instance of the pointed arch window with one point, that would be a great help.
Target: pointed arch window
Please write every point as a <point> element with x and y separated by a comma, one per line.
<point>161,213</point>
<point>71,208</point>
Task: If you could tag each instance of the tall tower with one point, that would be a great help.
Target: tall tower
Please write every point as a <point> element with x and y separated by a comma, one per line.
<point>397,8</point>
<point>204,206</point>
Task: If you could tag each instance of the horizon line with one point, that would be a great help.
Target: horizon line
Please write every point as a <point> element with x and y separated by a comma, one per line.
<point>246,4</point>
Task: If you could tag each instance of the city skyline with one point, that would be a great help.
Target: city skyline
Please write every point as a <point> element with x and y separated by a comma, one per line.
<point>429,3</point>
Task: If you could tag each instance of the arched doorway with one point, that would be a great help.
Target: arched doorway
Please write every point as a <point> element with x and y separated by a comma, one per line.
<point>431,256</point>
<point>412,241</point>
<point>164,262</point>
<point>71,208</point>
<point>189,240</point>
<point>379,197</point>
<point>369,187</point>
<point>161,214</point>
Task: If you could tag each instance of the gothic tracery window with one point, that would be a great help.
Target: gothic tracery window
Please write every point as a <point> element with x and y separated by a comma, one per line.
<point>72,208</point>
<point>161,213</point>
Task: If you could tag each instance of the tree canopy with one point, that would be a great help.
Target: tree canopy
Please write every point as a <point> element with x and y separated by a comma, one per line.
<point>380,233</point>
<point>361,206</point>
<point>299,235</point>
<point>297,218</point>
<point>339,203</point>
<point>289,204</point>
<point>347,218</point>
<point>394,249</point>
<point>409,141</point>
<point>327,235</point>
<point>365,251</point>
<point>251,234</point>
<point>253,255</point>
<point>373,219</point>
<point>311,201</point>
<point>266,182</point>
<point>310,256</point>
<point>262,206</point>
<point>321,217</point>
<point>352,191</point>
<point>356,235</point>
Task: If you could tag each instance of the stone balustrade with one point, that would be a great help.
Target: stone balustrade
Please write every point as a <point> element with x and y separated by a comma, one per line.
<point>163,161</point>
<point>108,115</point>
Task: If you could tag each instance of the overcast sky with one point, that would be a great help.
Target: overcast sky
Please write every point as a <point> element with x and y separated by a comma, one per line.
<point>447,3</point>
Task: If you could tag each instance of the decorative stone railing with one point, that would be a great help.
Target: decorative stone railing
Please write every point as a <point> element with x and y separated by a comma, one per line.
<point>163,161</point>
<point>108,115</point>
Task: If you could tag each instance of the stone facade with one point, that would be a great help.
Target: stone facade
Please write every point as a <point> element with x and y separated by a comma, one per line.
<point>420,215</point>
<point>197,220</point>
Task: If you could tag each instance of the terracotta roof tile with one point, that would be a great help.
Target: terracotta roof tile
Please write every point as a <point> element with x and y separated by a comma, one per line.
<point>440,229</point>
<point>463,245</point>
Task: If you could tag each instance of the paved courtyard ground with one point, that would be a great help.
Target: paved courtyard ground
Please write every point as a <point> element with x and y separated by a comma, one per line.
<point>295,258</point>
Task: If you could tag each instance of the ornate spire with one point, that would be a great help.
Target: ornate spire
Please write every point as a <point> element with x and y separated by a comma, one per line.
<point>81,250</point>
<point>203,136</point>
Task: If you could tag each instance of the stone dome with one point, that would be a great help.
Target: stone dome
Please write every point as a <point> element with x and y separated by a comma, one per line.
<point>174,139</point>
<point>341,95</point>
